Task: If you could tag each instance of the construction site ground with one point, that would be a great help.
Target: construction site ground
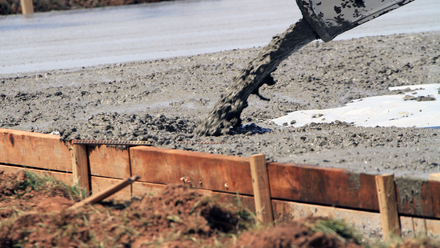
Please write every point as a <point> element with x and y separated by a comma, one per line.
<point>33,214</point>
<point>162,101</point>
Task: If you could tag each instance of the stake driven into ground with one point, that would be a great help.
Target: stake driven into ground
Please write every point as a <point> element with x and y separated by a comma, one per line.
<point>226,112</point>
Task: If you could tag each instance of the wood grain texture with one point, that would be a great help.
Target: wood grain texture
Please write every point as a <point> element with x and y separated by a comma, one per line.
<point>418,198</point>
<point>327,186</point>
<point>434,177</point>
<point>63,177</point>
<point>34,150</point>
<point>27,7</point>
<point>141,188</point>
<point>199,170</point>
<point>100,184</point>
<point>103,194</point>
<point>365,222</point>
<point>386,194</point>
<point>260,182</point>
<point>80,166</point>
<point>109,162</point>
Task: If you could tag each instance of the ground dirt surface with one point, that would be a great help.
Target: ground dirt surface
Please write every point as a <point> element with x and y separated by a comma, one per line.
<point>175,217</point>
<point>163,101</point>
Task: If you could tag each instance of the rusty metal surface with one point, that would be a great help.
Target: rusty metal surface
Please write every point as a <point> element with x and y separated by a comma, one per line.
<point>327,186</point>
<point>111,142</point>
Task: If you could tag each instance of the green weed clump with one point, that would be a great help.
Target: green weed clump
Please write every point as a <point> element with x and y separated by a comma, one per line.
<point>337,228</point>
<point>49,184</point>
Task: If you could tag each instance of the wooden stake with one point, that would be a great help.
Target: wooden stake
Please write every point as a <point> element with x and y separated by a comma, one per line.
<point>27,7</point>
<point>434,177</point>
<point>104,194</point>
<point>386,194</point>
<point>260,183</point>
<point>80,166</point>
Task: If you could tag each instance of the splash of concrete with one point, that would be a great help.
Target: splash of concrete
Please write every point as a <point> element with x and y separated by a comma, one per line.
<point>226,113</point>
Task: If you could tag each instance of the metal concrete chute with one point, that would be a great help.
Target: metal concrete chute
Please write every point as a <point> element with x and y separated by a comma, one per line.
<point>329,18</point>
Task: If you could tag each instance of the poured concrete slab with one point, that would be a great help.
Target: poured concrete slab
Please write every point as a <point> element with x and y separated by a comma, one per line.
<point>81,38</point>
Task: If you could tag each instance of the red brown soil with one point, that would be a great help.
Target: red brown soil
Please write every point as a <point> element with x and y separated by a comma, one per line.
<point>8,7</point>
<point>176,217</point>
<point>291,234</point>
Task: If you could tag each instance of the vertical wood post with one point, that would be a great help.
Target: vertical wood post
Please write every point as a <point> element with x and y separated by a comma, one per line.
<point>434,177</point>
<point>386,194</point>
<point>260,183</point>
<point>80,166</point>
<point>27,7</point>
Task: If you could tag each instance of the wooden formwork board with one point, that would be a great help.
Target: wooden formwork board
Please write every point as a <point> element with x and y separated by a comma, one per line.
<point>365,222</point>
<point>141,189</point>
<point>220,173</point>
<point>418,198</point>
<point>102,183</point>
<point>34,150</point>
<point>107,161</point>
<point>200,170</point>
<point>61,176</point>
<point>327,186</point>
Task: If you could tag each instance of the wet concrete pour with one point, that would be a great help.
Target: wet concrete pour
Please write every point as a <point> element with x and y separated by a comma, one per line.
<point>162,101</point>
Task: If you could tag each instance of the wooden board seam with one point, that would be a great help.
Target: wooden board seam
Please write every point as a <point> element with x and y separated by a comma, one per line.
<point>34,168</point>
<point>328,205</point>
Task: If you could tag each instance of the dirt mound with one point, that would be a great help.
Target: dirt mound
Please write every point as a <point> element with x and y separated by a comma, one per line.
<point>33,214</point>
<point>177,217</point>
<point>22,192</point>
<point>293,234</point>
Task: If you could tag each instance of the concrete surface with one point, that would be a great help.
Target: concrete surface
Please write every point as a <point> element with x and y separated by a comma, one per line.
<point>69,39</point>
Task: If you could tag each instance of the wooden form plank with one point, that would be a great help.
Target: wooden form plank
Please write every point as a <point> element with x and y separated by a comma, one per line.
<point>432,227</point>
<point>418,198</point>
<point>365,222</point>
<point>260,182</point>
<point>80,166</point>
<point>141,188</point>
<point>62,176</point>
<point>231,174</point>
<point>327,186</point>
<point>100,184</point>
<point>107,161</point>
<point>99,196</point>
<point>368,223</point>
<point>434,177</point>
<point>34,150</point>
<point>386,194</point>
<point>420,226</point>
<point>200,170</point>
<point>27,7</point>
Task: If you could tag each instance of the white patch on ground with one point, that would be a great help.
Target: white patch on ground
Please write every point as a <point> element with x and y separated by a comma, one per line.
<point>384,111</point>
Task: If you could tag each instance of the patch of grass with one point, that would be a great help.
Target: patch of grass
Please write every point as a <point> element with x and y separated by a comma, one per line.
<point>47,183</point>
<point>337,228</point>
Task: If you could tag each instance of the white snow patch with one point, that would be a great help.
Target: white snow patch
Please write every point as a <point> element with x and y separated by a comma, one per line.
<point>384,111</point>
